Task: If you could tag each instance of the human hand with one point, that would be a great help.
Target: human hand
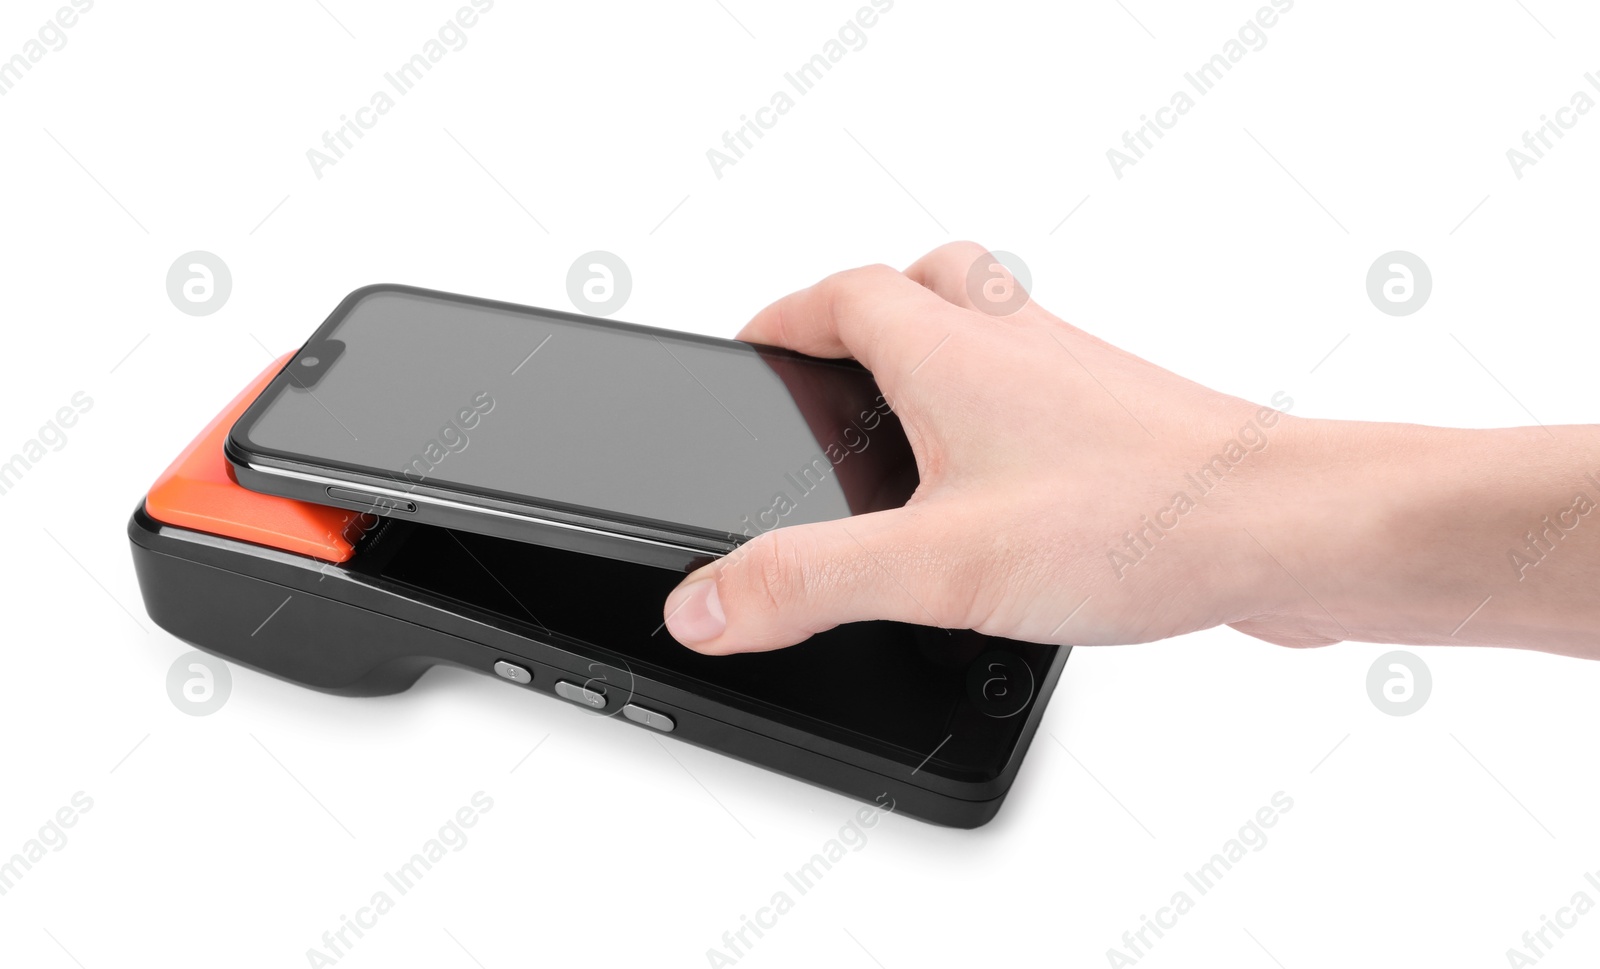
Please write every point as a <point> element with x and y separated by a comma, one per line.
<point>1074,493</point>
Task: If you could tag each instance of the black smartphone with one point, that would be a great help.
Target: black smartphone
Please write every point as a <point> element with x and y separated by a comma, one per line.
<point>608,438</point>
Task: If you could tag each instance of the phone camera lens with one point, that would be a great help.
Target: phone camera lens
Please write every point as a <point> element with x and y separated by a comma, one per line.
<point>309,361</point>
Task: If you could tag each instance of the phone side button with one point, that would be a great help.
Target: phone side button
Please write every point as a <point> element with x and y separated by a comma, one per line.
<point>650,718</point>
<point>374,502</point>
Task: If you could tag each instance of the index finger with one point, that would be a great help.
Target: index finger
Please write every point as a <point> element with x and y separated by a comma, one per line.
<point>875,314</point>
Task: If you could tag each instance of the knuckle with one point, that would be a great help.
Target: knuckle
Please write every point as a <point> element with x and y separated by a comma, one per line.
<point>960,254</point>
<point>874,273</point>
<point>954,602</point>
<point>849,289</point>
<point>770,576</point>
<point>922,573</point>
<point>857,301</point>
<point>955,573</point>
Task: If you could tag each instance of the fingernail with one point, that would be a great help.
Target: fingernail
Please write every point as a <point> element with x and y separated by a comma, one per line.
<point>694,613</point>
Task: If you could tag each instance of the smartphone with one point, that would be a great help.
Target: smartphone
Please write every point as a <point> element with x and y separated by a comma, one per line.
<point>629,442</point>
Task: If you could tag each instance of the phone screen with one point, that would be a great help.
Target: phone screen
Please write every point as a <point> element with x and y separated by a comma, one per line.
<point>700,435</point>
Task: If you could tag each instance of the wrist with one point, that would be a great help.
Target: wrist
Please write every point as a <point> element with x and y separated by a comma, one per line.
<point>1343,529</point>
<point>1405,534</point>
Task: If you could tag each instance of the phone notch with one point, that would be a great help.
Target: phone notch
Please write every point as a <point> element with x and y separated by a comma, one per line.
<point>313,360</point>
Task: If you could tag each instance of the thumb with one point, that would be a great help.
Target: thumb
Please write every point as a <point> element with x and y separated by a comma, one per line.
<point>784,585</point>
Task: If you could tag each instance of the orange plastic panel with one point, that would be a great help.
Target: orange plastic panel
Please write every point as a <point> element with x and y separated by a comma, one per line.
<point>198,491</point>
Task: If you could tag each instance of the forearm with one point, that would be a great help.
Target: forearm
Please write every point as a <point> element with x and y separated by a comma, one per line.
<point>1420,535</point>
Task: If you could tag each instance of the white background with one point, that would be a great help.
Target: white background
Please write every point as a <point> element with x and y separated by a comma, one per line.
<point>239,838</point>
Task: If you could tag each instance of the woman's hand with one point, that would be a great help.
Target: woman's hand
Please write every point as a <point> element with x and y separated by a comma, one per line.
<point>1074,493</point>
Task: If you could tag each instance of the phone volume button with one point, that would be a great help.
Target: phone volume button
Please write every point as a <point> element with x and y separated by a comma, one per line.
<point>376,503</point>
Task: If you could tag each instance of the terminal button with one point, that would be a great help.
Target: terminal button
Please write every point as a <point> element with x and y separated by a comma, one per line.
<point>593,699</point>
<point>512,672</point>
<point>650,718</point>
